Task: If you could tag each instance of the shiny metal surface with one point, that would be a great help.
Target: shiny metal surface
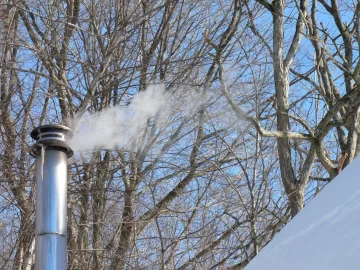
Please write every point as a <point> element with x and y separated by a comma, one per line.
<point>51,152</point>
<point>51,210</point>
<point>49,128</point>
<point>53,136</point>
<point>50,252</point>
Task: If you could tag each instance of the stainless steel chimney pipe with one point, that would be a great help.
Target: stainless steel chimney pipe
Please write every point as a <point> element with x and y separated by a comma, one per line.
<point>51,152</point>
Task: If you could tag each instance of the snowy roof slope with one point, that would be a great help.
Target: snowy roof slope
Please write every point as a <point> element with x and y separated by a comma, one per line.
<point>325,235</point>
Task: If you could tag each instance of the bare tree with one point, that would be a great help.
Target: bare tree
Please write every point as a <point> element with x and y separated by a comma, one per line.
<point>300,141</point>
<point>205,189</point>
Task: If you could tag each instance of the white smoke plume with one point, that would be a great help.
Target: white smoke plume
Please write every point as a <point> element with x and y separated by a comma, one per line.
<point>121,127</point>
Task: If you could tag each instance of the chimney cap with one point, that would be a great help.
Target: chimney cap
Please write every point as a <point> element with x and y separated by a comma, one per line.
<point>50,128</point>
<point>53,137</point>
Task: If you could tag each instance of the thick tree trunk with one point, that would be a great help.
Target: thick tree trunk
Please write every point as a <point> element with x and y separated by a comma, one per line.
<point>296,200</point>
<point>98,206</point>
<point>119,260</point>
<point>281,78</point>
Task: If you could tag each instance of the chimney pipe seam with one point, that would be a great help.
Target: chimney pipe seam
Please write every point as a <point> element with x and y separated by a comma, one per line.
<point>52,233</point>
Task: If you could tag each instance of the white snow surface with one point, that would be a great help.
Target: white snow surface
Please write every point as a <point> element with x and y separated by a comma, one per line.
<point>324,235</point>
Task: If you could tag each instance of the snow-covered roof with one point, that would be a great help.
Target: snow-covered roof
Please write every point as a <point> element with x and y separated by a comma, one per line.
<point>325,235</point>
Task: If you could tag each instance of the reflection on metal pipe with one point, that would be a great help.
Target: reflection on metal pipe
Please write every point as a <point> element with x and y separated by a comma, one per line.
<point>51,152</point>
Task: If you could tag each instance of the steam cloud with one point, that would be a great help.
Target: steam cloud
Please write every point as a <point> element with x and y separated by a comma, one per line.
<point>122,126</point>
